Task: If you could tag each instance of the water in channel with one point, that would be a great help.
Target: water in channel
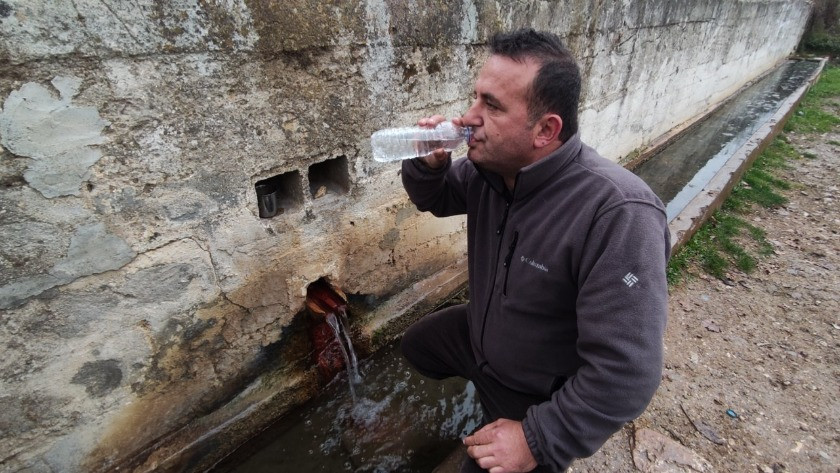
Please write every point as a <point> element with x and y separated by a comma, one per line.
<point>679,171</point>
<point>400,421</point>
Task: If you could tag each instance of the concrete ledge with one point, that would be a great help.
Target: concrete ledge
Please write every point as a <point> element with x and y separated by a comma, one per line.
<point>388,321</point>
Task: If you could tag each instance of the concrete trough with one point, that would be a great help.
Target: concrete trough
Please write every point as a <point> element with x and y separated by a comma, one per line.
<point>713,194</point>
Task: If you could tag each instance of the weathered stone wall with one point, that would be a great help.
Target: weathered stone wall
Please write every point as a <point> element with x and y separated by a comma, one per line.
<point>148,313</point>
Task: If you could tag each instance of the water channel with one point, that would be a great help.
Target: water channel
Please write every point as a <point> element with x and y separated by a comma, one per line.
<point>402,422</point>
<point>680,170</point>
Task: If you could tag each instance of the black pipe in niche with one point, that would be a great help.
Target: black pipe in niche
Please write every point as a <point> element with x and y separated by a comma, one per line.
<point>279,194</point>
<point>329,177</point>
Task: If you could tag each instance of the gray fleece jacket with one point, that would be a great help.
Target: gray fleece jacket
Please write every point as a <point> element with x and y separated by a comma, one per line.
<point>568,296</point>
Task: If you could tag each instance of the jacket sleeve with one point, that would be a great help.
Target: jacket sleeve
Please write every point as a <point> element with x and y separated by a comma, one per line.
<point>621,315</point>
<point>439,191</point>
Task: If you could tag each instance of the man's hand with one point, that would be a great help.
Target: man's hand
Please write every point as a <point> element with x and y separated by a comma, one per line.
<point>439,156</point>
<point>500,447</point>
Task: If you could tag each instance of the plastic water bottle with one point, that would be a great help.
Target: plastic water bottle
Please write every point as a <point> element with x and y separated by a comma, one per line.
<point>394,144</point>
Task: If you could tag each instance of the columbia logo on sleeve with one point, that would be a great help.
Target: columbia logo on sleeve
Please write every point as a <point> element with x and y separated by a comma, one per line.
<point>630,279</point>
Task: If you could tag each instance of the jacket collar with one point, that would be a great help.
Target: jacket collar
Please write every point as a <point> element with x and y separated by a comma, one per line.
<point>532,177</point>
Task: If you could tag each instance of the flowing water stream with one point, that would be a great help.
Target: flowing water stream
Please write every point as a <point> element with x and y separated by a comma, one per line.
<point>339,325</point>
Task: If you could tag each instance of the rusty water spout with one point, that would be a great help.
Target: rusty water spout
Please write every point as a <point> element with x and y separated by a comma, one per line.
<point>333,349</point>
<point>322,299</point>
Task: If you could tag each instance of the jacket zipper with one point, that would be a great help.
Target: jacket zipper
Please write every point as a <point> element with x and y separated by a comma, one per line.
<point>500,232</point>
<point>508,260</point>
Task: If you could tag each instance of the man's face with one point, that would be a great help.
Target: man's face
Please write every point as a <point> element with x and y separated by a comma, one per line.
<point>503,137</point>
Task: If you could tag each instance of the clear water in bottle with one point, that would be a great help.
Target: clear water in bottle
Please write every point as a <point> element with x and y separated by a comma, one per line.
<point>395,144</point>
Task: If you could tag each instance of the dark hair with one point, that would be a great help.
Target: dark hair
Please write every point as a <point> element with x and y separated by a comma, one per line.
<point>556,87</point>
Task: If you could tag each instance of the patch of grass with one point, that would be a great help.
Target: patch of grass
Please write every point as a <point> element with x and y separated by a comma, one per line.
<point>722,242</point>
<point>817,113</point>
<point>777,155</point>
<point>727,239</point>
<point>826,88</point>
<point>760,188</point>
<point>705,249</point>
<point>759,185</point>
<point>812,120</point>
<point>718,246</point>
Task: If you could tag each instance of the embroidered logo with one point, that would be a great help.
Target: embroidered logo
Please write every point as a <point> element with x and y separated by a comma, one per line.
<point>630,279</point>
<point>533,263</point>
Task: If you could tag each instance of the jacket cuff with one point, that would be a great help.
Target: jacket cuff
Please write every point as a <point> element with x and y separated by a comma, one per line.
<point>417,169</point>
<point>537,443</point>
<point>531,438</point>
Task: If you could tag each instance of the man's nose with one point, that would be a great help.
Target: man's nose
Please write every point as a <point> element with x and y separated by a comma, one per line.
<point>471,117</point>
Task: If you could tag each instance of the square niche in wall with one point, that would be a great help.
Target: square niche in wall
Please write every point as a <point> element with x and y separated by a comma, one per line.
<point>279,194</point>
<point>329,177</point>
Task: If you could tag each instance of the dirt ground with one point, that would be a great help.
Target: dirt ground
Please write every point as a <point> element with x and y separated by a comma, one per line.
<point>752,368</point>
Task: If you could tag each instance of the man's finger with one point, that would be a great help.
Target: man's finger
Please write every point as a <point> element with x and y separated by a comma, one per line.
<point>431,121</point>
<point>481,437</point>
<point>487,462</point>
<point>440,154</point>
<point>478,451</point>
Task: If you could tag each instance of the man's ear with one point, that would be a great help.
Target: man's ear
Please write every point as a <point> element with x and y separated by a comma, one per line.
<point>548,130</point>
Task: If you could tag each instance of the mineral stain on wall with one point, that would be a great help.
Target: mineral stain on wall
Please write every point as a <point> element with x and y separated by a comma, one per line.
<point>5,9</point>
<point>99,377</point>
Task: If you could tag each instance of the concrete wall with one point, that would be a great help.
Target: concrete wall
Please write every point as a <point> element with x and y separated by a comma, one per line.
<point>149,317</point>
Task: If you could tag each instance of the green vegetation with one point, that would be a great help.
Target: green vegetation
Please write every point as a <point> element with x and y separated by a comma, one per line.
<point>818,112</point>
<point>821,34</point>
<point>822,43</point>
<point>721,242</point>
<point>728,239</point>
